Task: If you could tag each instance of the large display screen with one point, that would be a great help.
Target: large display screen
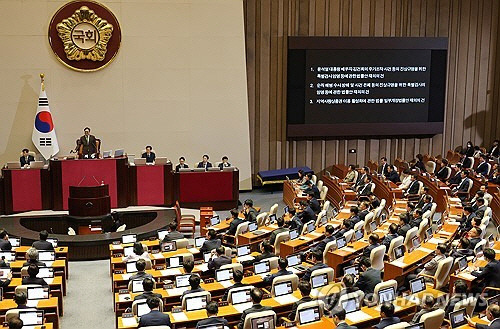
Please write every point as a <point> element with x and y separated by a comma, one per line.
<point>365,86</point>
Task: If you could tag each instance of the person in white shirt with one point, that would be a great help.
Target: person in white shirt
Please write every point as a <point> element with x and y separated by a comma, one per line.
<point>138,253</point>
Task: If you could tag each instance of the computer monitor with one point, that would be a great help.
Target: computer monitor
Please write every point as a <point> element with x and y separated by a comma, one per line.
<point>243,250</point>
<point>54,241</point>
<point>416,326</point>
<point>129,238</point>
<point>415,242</point>
<point>142,308</point>
<point>341,242</point>
<point>293,260</point>
<point>286,209</point>
<point>252,227</point>
<point>162,233</point>
<point>283,288</point>
<point>261,267</point>
<point>182,280</point>
<point>241,296</point>
<point>294,234</point>
<point>4,272</point>
<point>119,153</point>
<point>175,261</point>
<point>206,256</point>
<point>311,226</point>
<point>319,281</point>
<point>417,285</point>
<point>308,315</point>
<point>224,274</point>
<point>129,250</point>
<point>358,235</point>
<point>198,242</point>
<point>263,322</point>
<point>46,256</point>
<point>373,225</point>
<point>169,246</point>
<point>493,300</point>
<point>45,272</point>
<point>35,293</point>
<point>214,220</point>
<point>196,303</point>
<point>323,220</point>
<point>31,317</point>
<point>458,318</point>
<point>399,251</point>
<point>15,242</point>
<point>428,234</point>
<point>137,286</point>
<point>353,270</point>
<point>462,263</point>
<point>350,305</point>
<point>10,256</point>
<point>131,267</point>
<point>272,219</point>
<point>386,295</point>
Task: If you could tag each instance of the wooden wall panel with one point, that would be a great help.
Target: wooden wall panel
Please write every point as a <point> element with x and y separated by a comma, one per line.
<point>473,88</point>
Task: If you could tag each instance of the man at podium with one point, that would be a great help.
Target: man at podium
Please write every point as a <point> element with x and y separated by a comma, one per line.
<point>87,145</point>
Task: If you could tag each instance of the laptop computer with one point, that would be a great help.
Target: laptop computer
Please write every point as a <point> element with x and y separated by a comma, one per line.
<point>13,165</point>
<point>295,261</point>
<point>182,280</point>
<point>9,256</point>
<point>161,161</point>
<point>493,300</point>
<point>198,242</point>
<point>213,169</point>
<point>458,318</point>
<point>358,235</point>
<point>36,164</point>
<point>415,242</point>
<point>350,305</point>
<point>311,226</point>
<point>272,219</point>
<point>399,252</point>
<point>4,272</point>
<point>428,234</point>
<point>169,246</point>
<point>107,154</point>
<point>261,267</point>
<point>46,255</point>
<point>417,285</point>
<point>45,272</point>
<point>386,295</point>
<point>36,293</point>
<point>294,234</point>
<point>129,250</point>
<point>174,262</point>
<point>228,168</point>
<point>129,238</point>
<point>31,318</point>
<point>462,263</point>
<point>341,243</point>
<point>241,296</point>
<point>223,275</point>
<point>142,308</point>
<point>137,286</point>
<point>15,242</point>
<point>243,250</point>
<point>252,227</point>
<point>162,233</point>
<point>131,267</point>
<point>119,153</point>
<point>54,241</point>
<point>196,303</point>
<point>185,169</point>
<point>373,226</point>
<point>283,288</point>
<point>308,315</point>
<point>319,281</point>
<point>323,220</point>
<point>353,270</point>
<point>207,256</point>
<point>214,220</point>
<point>263,322</point>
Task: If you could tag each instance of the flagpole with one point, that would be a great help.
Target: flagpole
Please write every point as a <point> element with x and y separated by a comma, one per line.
<point>42,78</point>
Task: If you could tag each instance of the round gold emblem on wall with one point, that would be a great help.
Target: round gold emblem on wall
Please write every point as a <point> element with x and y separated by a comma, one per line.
<point>84,35</point>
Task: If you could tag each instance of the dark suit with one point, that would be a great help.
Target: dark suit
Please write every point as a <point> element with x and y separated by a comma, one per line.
<point>473,242</point>
<point>295,305</point>
<point>204,165</point>
<point>234,225</point>
<point>368,250</point>
<point>270,278</point>
<point>38,263</point>
<point>466,163</point>
<point>362,214</point>
<point>35,280</point>
<point>393,176</point>
<point>90,146</point>
<point>368,280</point>
<point>317,266</point>
<point>418,315</point>
<point>43,245</point>
<point>490,274</point>
<point>495,324</point>
<point>426,206</point>
<point>344,325</point>
<point>295,223</point>
<point>191,291</point>
<point>403,229</point>
<point>235,285</point>
<point>443,173</point>
<point>315,190</point>
<point>494,151</point>
<point>263,256</point>
<point>274,234</point>
<point>253,309</point>
<point>420,165</point>
<point>155,318</point>
<point>251,216</point>
<point>212,321</point>
<point>385,322</point>
<point>210,245</point>
<point>149,157</point>
<point>5,245</point>
<point>179,166</point>
<point>307,215</point>
<point>387,240</point>
<point>216,263</point>
<point>171,236</point>
<point>482,169</point>
<point>26,160</point>
<point>147,294</point>
<point>141,276</point>
<point>314,204</point>
<point>222,165</point>
<point>464,185</point>
<point>455,180</point>
<point>383,169</point>
<point>365,190</point>
<point>451,305</point>
<point>414,187</point>
<point>320,246</point>
<point>415,222</point>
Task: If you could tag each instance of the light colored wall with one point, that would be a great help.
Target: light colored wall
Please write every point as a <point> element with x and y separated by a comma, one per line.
<point>178,82</point>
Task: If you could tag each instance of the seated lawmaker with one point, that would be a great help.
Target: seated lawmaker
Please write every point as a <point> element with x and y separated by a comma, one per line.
<point>138,252</point>
<point>237,278</point>
<point>256,296</point>
<point>4,241</point>
<point>32,279</point>
<point>312,188</point>
<point>307,214</point>
<point>482,168</point>
<point>369,277</point>
<point>338,317</point>
<point>305,293</point>
<point>280,221</point>
<point>387,316</point>
<point>236,220</point>
<point>329,237</point>
<point>442,173</point>
<point>32,258</point>
<point>42,244</point>
<point>492,315</point>
<point>366,188</point>
<point>148,286</point>
<point>351,174</point>
<point>346,226</point>
<point>21,299</point>
<point>173,234</point>
<point>211,241</point>
<point>392,175</point>
<point>154,317</point>
<point>317,259</point>
<point>212,319</point>
<point>419,164</point>
<point>194,283</point>
<point>15,323</point>
<point>266,251</point>
<point>282,270</point>
<point>218,259</point>
<point>489,275</point>
<point>182,164</point>
<point>404,224</point>
<point>149,155</point>
<point>26,158</point>
<point>249,211</point>
<point>459,293</point>
<point>294,222</point>
<point>463,249</point>
<point>204,163</point>
<point>427,305</point>
<point>393,233</point>
<point>224,163</point>
<point>87,144</point>
<point>373,239</point>
<point>313,202</point>
<point>141,271</point>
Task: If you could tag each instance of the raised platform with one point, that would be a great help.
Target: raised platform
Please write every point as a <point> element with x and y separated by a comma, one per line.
<point>143,221</point>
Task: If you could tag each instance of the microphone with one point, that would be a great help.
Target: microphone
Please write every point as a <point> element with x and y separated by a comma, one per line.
<point>81,180</point>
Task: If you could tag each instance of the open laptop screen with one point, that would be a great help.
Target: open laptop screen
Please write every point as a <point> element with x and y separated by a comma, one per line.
<point>131,267</point>
<point>399,251</point>
<point>198,242</point>
<point>458,318</point>
<point>37,293</point>
<point>293,260</point>
<point>162,234</point>
<point>142,309</point>
<point>417,285</point>
<point>294,234</point>
<point>241,296</point>
<point>263,322</point>
<point>353,270</point>
<point>386,295</point>
<point>341,243</point>
<point>169,246</point>
<point>31,317</point>
<point>46,256</point>
<point>350,305</point>
<point>243,251</point>
<point>223,275</point>
<point>182,280</point>
<point>319,280</point>
<point>175,261</point>
<point>261,267</point>
<point>309,315</point>
<point>283,288</point>
<point>196,303</point>
<point>214,220</point>
<point>137,286</point>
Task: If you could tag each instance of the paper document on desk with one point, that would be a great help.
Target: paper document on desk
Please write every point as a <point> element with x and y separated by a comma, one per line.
<point>158,256</point>
<point>202,267</point>
<point>129,322</point>
<point>126,276</point>
<point>179,317</point>
<point>457,200</point>
<point>286,299</point>
<point>241,307</point>
<point>348,249</point>
<point>436,241</point>
<point>170,272</point>
<point>117,246</point>
<point>346,210</point>
<point>466,276</point>
<point>176,291</point>
<point>425,250</point>
<point>48,264</point>
<point>358,316</point>
<point>245,258</point>
<point>226,283</point>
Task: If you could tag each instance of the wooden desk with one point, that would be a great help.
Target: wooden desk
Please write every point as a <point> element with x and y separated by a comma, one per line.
<point>288,194</point>
<point>55,284</point>
<point>323,323</point>
<point>59,266</point>
<point>335,259</point>
<point>476,319</point>
<point>410,261</point>
<point>49,306</point>
<point>61,253</point>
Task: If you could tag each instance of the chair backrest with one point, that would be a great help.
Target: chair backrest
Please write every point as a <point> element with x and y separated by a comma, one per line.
<point>469,304</point>
<point>422,227</point>
<point>273,262</point>
<point>348,235</point>
<point>479,246</point>
<point>24,271</point>
<point>384,285</point>
<point>274,209</point>
<point>420,187</point>
<point>433,211</point>
<point>233,266</point>
<point>323,193</point>
<point>233,290</point>
<point>326,206</point>
<point>442,272</point>
<point>307,305</point>
<point>483,230</point>
<point>182,243</point>
<point>401,325</point>
<point>12,313</point>
<point>320,184</point>
<point>281,237</point>
<point>149,263</point>
<point>394,244</point>
<point>284,278</point>
<point>356,176</point>
<point>314,179</point>
<point>141,301</point>
<point>485,221</point>
<point>372,187</point>
<point>319,216</point>
<point>248,320</point>
<point>433,320</point>
<point>261,219</point>
<point>195,294</point>
<point>327,270</point>
<point>377,257</point>
<point>430,166</point>
<point>332,245</point>
<point>370,217</point>
<point>241,228</point>
<point>409,236</point>
<point>487,212</point>
<point>121,228</point>
<point>359,225</point>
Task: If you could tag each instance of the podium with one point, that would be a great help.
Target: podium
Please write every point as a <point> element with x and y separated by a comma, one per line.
<point>89,201</point>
